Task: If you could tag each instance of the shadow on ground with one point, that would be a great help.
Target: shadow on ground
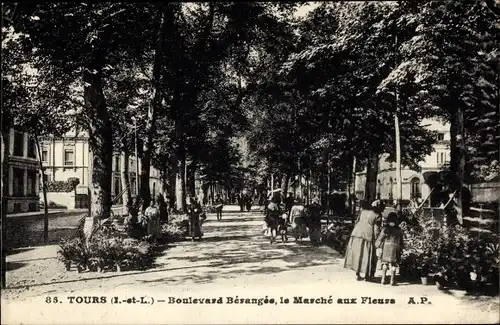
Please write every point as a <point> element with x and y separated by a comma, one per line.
<point>10,266</point>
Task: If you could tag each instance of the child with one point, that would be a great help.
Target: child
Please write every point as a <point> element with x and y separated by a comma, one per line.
<point>389,246</point>
<point>219,204</point>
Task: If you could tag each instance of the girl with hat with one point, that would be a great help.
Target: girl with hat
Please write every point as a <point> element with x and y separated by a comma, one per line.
<point>389,246</point>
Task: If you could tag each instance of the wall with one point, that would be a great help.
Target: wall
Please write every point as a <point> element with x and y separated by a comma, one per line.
<point>78,142</point>
<point>387,169</point>
<point>485,192</point>
<point>66,199</point>
<point>25,162</point>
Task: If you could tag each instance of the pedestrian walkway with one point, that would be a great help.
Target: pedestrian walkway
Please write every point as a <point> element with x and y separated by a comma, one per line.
<point>233,259</point>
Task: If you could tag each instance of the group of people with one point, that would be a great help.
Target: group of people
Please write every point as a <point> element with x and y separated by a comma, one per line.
<point>244,201</point>
<point>375,240</point>
<point>304,221</point>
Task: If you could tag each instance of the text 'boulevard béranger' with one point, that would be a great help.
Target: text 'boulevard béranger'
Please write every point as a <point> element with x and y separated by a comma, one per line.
<point>282,300</point>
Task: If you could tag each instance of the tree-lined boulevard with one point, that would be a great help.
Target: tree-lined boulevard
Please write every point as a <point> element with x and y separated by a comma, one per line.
<point>246,103</point>
<point>233,260</point>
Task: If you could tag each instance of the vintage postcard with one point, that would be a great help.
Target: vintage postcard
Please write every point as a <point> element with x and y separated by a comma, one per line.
<point>250,162</point>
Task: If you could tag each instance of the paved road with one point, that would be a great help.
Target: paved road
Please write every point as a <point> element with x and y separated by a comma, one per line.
<point>233,259</point>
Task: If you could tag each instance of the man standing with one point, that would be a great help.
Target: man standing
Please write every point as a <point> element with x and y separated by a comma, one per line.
<point>219,204</point>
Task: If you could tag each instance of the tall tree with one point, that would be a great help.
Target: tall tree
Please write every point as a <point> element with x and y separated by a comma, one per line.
<point>81,41</point>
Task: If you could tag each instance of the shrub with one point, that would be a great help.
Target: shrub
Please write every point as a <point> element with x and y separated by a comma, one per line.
<point>135,226</point>
<point>63,186</point>
<point>337,236</point>
<point>176,229</point>
<point>452,253</point>
<point>108,248</point>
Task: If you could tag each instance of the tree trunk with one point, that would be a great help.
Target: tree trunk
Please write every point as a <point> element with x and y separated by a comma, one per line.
<point>191,179</point>
<point>5,194</point>
<point>182,173</point>
<point>350,179</point>
<point>371,178</point>
<point>153,109</point>
<point>180,186</point>
<point>457,156</point>
<point>100,137</point>
<point>125,180</point>
<point>44,190</point>
<point>285,181</point>
<point>172,189</point>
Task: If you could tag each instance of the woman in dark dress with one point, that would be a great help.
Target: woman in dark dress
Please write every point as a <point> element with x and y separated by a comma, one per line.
<point>219,204</point>
<point>194,210</point>
<point>361,254</point>
<point>273,214</point>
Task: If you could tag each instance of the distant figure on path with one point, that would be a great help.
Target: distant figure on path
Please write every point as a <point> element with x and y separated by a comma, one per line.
<point>273,213</point>
<point>248,202</point>
<point>361,254</point>
<point>298,220</point>
<point>219,204</point>
<point>194,210</point>
<point>314,221</point>
<point>241,202</point>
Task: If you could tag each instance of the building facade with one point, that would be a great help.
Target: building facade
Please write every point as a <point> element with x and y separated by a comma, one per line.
<point>413,185</point>
<point>70,157</point>
<point>23,169</point>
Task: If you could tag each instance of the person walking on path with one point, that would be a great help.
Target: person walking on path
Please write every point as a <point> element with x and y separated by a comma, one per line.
<point>219,204</point>
<point>298,220</point>
<point>273,213</point>
<point>389,246</point>
<point>314,221</point>
<point>361,254</point>
<point>241,202</point>
<point>194,210</point>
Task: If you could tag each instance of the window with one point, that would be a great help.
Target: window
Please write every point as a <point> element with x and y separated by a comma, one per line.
<point>391,189</point>
<point>68,157</point>
<point>415,188</point>
<point>117,163</point>
<point>31,148</point>
<point>441,158</point>
<point>18,182</point>
<point>117,186</point>
<point>45,155</point>
<point>440,136</point>
<point>132,186</point>
<point>18,144</point>
<point>32,176</point>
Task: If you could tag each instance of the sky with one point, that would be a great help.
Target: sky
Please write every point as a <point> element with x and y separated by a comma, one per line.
<point>303,10</point>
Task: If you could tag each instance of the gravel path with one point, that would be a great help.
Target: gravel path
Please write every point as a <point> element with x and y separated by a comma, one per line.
<point>233,259</point>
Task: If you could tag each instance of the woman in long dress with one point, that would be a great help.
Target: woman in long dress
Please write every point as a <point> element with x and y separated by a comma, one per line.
<point>194,211</point>
<point>298,220</point>
<point>361,254</point>
<point>273,213</point>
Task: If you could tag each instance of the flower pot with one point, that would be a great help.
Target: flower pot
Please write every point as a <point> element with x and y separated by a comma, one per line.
<point>67,265</point>
<point>424,280</point>
<point>118,267</point>
<point>439,286</point>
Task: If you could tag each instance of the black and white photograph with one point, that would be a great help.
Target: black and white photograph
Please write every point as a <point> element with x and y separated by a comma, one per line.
<point>250,162</point>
